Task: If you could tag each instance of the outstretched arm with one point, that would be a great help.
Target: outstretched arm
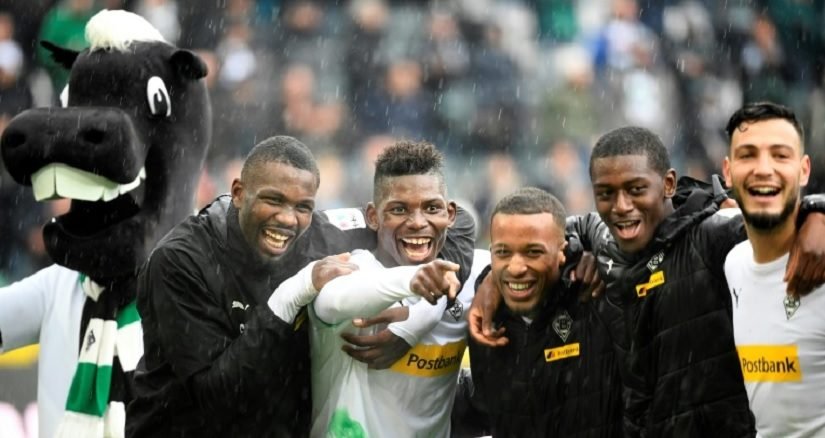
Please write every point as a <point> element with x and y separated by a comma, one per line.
<point>362,293</point>
<point>365,293</point>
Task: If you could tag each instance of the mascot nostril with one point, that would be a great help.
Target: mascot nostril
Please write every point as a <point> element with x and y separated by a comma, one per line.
<point>93,136</point>
<point>127,149</point>
<point>13,139</point>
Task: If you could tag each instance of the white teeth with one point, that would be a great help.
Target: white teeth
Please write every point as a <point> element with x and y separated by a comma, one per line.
<point>59,180</point>
<point>417,241</point>
<point>626,224</point>
<point>277,240</point>
<point>277,236</point>
<point>764,190</point>
<point>518,286</point>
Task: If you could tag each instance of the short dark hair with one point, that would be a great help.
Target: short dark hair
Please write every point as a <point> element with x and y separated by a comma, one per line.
<point>532,200</point>
<point>632,140</point>
<point>759,111</point>
<point>407,158</point>
<point>281,149</point>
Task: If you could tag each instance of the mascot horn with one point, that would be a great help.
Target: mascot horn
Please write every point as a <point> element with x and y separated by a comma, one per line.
<point>127,148</point>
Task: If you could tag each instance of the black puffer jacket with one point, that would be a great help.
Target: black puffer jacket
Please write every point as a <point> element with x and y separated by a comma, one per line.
<point>548,382</point>
<point>668,309</point>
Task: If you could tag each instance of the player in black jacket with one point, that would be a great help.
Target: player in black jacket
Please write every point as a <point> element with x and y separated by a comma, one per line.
<point>219,359</point>
<point>661,254</point>
<point>558,375</point>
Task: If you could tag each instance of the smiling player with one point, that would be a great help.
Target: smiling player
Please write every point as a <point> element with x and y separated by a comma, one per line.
<point>558,374</point>
<point>410,214</point>
<point>779,338</point>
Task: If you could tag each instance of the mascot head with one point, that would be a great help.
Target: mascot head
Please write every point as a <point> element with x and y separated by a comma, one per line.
<point>126,146</point>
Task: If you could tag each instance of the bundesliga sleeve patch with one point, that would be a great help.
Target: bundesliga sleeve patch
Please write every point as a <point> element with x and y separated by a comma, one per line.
<point>346,218</point>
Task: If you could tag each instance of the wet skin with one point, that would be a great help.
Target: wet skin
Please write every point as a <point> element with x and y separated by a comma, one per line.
<point>631,198</point>
<point>411,219</point>
<point>527,253</point>
<point>274,208</point>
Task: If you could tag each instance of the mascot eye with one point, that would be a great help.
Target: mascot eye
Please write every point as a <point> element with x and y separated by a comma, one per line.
<point>159,102</point>
<point>64,96</point>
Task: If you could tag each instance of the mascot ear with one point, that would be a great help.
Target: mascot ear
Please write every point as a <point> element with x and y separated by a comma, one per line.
<point>188,64</point>
<point>64,57</point>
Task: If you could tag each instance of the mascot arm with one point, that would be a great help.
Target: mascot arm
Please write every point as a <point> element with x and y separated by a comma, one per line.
<point>184,316</point>
<point>24,304</point>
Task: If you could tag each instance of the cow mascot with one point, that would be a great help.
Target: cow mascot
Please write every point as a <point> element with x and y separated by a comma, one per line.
<point>126,148</point>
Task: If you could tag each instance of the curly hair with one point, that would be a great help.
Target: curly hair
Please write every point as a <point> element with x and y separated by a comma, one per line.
<point>407,158</point>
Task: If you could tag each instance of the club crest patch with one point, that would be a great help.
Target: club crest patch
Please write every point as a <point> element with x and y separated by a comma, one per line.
<point>655,261</point>
<point>791,304</point>
<point>562,325</point>
<point>90,340</point>
<point>456,310</point>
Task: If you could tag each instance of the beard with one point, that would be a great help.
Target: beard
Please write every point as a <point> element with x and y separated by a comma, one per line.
<point>767,221</point>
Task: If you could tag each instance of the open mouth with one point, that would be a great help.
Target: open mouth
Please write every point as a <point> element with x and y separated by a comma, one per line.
<point>97,202</point>
<point>520,290</point>
<point>417,248</point>
<point>628,229</point>
<point>763,191</point>
<point>58,180</point>
<point>277,240</point>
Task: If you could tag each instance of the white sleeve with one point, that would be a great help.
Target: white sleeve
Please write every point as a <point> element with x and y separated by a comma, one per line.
<point>292,294</point>
<point>422,320</point>
<point>22,306</point>
<point>363,293</point>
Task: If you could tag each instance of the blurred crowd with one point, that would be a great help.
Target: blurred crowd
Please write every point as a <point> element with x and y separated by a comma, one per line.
<point>513,91</point>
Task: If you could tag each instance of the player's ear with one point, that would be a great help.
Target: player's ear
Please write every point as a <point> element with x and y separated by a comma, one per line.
<point>451,212</point>
<point>670,183</point>
<point>237,193</point>
<point>372,217</point>
<point>562,257</point>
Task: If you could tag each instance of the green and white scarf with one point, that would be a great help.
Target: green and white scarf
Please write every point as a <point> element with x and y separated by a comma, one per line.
<point>111,347</point>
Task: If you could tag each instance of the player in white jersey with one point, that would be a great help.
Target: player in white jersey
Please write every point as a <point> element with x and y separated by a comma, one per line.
<point>780,337</point>
<point>414,396</point>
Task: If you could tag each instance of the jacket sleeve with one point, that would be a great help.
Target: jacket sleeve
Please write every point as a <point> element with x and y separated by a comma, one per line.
<point>590,231</point>
<point>810,204</point>
<point>718,235</point>
<point>183,314</point>
<point>460,245</point>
